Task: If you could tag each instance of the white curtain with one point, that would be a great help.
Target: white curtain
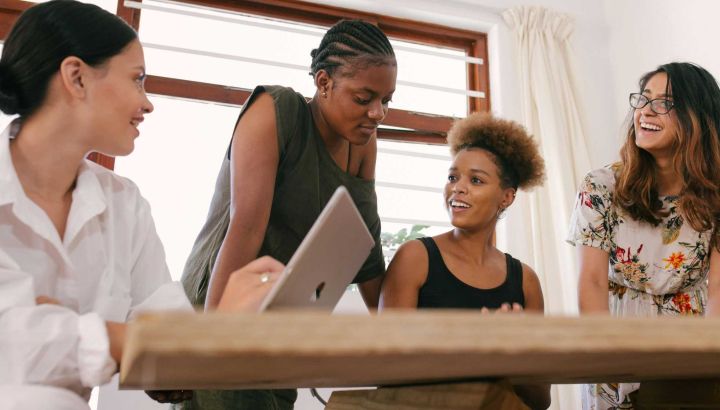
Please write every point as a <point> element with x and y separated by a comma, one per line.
<point>552,113</point>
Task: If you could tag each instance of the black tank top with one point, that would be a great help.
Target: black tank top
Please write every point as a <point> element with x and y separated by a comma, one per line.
<point>442,289</point>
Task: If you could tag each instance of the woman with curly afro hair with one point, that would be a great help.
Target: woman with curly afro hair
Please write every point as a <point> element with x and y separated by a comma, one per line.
<point>462,268</point>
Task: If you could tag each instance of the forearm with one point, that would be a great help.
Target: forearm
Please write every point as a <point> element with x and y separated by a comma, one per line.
<point>395,294</point>
<point>52,345</point>
<point>370,292</point>
<point>593,296</point>
<point>116,336</point>
<point>239,248</point>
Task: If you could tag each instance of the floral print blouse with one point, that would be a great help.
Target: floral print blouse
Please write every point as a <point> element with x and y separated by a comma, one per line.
<point>653,270</point>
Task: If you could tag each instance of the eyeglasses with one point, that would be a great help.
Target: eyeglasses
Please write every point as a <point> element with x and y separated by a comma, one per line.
<point>658,105</point>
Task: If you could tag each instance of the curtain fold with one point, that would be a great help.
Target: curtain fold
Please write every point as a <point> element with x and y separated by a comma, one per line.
<point>551,111</point>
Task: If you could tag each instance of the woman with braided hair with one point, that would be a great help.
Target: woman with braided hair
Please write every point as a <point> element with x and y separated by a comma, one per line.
<point>286,158</point>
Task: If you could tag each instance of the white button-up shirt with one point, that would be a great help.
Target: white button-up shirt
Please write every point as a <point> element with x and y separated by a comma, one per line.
<point>109,265</point>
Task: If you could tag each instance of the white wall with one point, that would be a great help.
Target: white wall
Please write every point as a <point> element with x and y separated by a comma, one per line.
<point>646,33</point>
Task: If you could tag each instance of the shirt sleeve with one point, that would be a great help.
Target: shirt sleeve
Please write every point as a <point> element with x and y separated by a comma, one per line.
<point>48,344</point>
<point>152,287</point>
<point>591,221</point>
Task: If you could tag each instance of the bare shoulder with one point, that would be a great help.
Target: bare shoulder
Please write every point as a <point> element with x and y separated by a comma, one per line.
<point>405,277</point>
<point>262,110</point>
<point>532,290</point>
<point>255,134</point>
<point>411,251</point>
<point>529,275</point>
<point>410,262</point>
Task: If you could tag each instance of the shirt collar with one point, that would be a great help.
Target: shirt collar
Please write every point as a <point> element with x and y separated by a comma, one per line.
<point>89,198</point>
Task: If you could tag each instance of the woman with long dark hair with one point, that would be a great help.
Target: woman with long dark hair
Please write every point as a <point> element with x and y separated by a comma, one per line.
<point>646,227</point>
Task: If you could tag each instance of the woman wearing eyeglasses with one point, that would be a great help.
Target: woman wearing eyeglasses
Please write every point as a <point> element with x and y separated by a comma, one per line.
<point>645,227</point>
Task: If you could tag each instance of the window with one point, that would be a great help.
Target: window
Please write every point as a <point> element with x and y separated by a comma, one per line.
<point>201,73</point>
<point>286,31</point>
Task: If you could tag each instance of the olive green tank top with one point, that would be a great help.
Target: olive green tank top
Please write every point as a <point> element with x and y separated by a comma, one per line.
<point>307,176</point>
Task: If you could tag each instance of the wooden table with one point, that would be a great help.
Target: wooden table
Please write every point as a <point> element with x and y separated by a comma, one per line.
<point>306,349</point>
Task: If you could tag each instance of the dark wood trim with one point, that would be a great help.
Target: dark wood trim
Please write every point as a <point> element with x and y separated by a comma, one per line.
<point>104,160</point>
<point>300,11</point>
<point>196,90</point>
<point>478,76</point>
<point>324,15</point>
<point>131,16</point>
<point>229,95</point>
<point>14,5</point>
<point>419,122</point>
<point>9,12</point>
<point>411,136</point>
<point>473,43</point>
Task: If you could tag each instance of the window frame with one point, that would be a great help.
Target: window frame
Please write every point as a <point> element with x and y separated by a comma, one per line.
<point>418,127</point>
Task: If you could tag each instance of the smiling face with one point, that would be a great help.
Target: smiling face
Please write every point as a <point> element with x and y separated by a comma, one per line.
<point>117,101</point>
<point>656,133</point>
<point>473,193</point>
<point>354,106</point>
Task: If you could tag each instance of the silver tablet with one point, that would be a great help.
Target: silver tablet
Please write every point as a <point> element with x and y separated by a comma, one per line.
<point>326,261</point>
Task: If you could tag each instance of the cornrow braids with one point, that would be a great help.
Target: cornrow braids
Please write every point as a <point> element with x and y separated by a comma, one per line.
<point>349,41</point>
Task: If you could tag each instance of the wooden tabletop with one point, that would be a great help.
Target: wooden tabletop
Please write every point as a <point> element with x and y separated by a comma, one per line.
<point>306,349</point>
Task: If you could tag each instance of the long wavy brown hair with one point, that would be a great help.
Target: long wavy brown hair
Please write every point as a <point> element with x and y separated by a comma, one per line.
<point>696,98</point>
